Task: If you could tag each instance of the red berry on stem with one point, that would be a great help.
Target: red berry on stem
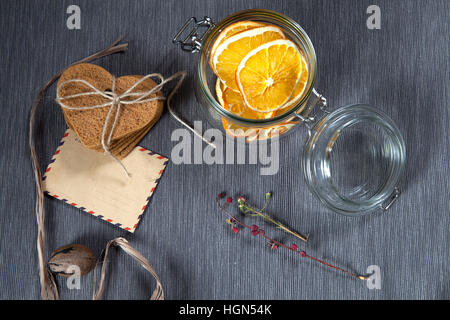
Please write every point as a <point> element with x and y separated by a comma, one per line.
<point>254,227</point>
<point>235,230</point>
<point>261,232</point>
<point>255,233</point>
<point>294,247</point>
<point>229,200</point>
<point>221,195</point>
<point>303,253</point>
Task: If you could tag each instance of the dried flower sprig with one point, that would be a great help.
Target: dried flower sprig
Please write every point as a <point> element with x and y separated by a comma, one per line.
<point>274,244</point>
<point>246,209</point>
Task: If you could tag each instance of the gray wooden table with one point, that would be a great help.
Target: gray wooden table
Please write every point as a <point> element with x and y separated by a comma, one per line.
<point>401,69</point>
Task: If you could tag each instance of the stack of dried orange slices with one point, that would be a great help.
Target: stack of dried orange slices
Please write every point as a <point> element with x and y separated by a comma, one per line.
<point>260,74</point>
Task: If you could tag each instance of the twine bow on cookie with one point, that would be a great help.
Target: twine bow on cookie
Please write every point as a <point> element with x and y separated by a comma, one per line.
<point>117,101</point>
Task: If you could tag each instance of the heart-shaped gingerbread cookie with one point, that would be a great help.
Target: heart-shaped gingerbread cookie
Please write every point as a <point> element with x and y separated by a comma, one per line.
<point>133,122</point>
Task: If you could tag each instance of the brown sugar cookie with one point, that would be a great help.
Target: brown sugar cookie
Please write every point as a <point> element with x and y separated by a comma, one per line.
<point>122,145</point>
<point>133,121</point>
<point>88,124</point>
<point>126,150</point>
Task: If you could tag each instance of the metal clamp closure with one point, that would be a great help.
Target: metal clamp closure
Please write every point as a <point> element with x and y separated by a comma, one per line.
<point>318,100</point>
<point>193,41</point>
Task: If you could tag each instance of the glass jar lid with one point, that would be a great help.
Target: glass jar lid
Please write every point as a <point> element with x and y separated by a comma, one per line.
<point>353,160</point>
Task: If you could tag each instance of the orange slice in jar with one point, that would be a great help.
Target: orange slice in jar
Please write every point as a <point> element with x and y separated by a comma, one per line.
<point>232,101</point>
<point>268,75</point>
<point>236,131</point>
<point>299,89</point>
<point>235,104</point>
<point>219,92</point>
<point>276,130</point>
<point>230,31</point>
<point>252,134</point>
<point>231,129</point>
<point>231,51</point>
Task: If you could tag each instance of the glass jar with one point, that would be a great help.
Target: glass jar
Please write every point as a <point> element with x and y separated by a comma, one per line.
<point>201,38</point>
<point>354,157</point>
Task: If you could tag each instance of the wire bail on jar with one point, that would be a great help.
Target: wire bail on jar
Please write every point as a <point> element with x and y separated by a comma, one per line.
<point>318,100</point>
<point>193,41</point>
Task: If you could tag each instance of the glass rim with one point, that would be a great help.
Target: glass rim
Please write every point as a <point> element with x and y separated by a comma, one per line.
<point>354,208</point>
<point>295,29</point>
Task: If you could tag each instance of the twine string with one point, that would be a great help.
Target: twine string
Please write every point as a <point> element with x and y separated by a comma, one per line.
<point>182,75</point>
<point>158,292</point>
<point>49,290</point>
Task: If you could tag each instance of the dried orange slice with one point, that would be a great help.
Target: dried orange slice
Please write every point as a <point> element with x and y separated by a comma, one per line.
<point>236,131</point>
<point>231,51</point>
<point>299,89</point>
<point>268,75</point>
<point>219,92</point>
<point>277,130</point>
<point>230,31</point>
<point>235,103</point>
<point>252,134</point>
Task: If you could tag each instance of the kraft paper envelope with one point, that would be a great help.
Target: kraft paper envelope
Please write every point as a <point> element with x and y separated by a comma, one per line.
<point>95,183</point>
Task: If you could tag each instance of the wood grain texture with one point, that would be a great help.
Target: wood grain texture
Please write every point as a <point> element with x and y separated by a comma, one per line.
<point>401,69</point>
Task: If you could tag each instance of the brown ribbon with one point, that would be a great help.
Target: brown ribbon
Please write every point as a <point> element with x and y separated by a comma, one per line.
<point>158,292</point>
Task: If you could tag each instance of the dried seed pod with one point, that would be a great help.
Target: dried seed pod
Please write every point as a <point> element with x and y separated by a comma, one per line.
<point>64,258</point>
